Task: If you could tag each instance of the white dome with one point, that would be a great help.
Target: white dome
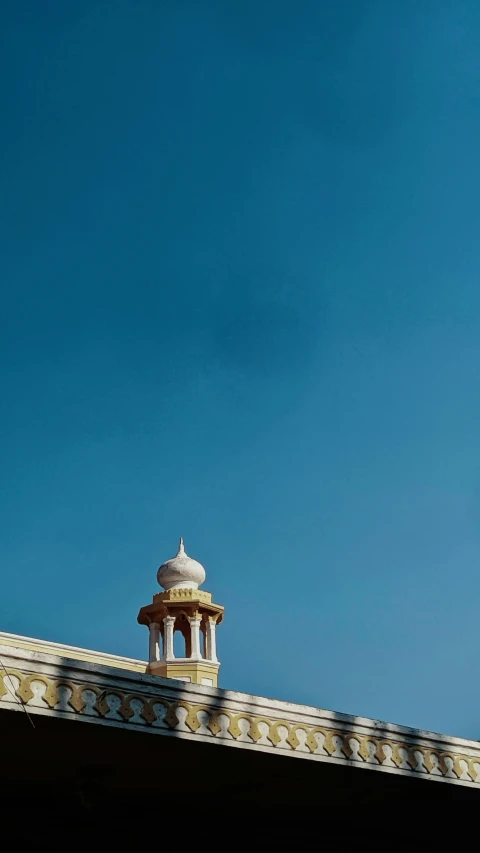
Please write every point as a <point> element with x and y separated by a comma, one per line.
<point>181,572</point>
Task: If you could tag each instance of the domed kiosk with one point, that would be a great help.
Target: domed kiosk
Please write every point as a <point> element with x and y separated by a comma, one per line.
<point>185,608</point>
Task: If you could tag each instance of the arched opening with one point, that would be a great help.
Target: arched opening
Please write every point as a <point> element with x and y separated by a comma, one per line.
<point>203,640</point>
<point>182,641</point>
<point>179,644</point>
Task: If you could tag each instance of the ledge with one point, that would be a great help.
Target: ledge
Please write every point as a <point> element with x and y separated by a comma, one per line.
<point>109,690</point>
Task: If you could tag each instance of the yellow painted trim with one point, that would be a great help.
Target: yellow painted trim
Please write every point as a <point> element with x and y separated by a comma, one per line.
<point>71,653</point>
<point>194,671</point>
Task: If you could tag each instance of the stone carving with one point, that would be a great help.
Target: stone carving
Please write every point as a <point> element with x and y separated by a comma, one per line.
<point>214,720</point>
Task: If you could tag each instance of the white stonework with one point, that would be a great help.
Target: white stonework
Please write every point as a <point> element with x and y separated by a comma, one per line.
<point>181,572</point>
<point>169,623</point>
<point>195,636</point>
<point>62,684</point>
<point>211,642</point>
<point>154,650</point>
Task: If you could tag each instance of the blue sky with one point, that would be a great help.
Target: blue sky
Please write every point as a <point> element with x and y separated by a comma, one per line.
<point>240,303</point>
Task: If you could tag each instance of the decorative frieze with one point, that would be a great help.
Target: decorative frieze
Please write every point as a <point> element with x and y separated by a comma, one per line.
<point>49,685</point>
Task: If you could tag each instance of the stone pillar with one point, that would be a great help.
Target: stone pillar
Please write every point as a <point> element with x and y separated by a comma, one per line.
<point>211,641</point>
<point>195,634</point>
<point>169,622</point>
<point>153,652</point>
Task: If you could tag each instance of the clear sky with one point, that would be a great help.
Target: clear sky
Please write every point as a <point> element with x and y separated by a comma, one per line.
<point>240,303</point>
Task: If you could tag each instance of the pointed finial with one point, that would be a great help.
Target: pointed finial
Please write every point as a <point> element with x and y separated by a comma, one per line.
<point>181,548</point>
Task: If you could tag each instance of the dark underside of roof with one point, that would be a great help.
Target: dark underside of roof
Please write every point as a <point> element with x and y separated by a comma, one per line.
<point>98,783</point>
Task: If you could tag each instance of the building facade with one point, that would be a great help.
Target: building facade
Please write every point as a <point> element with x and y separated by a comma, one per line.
<point>215,755</point>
